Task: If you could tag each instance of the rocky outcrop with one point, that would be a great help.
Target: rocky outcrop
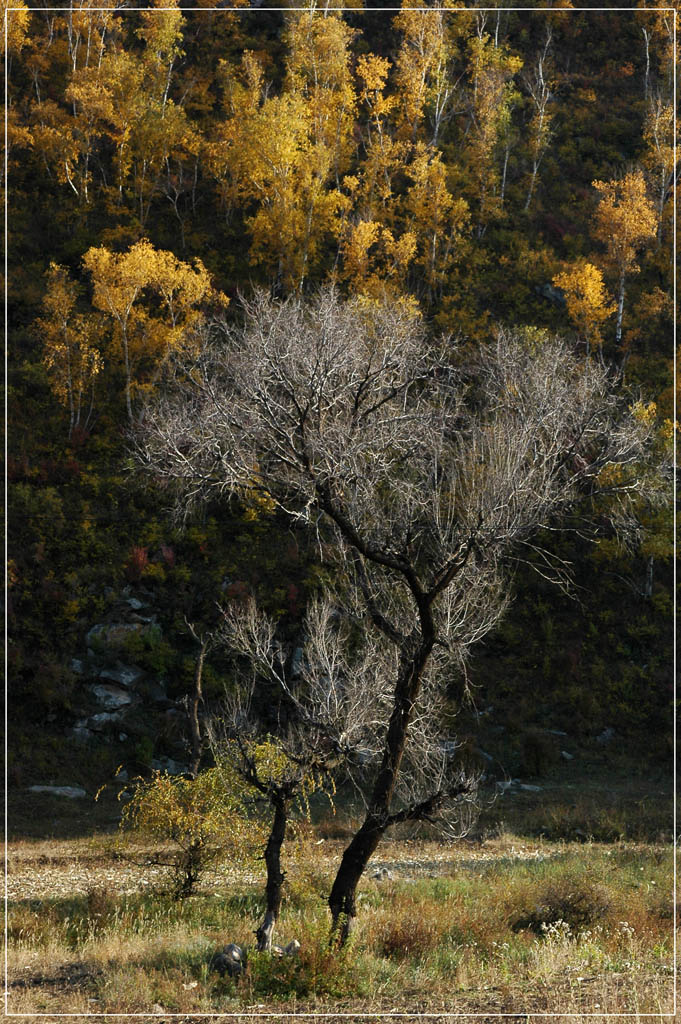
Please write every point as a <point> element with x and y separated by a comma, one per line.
<point>123,700</point>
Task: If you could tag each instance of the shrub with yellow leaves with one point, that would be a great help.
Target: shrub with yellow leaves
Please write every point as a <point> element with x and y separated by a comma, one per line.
<point>204,819</point>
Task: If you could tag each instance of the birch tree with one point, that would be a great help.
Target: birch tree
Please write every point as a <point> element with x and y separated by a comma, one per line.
<point>625,223</point>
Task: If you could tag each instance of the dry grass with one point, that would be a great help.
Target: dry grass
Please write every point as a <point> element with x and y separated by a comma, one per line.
<point>501,926</point>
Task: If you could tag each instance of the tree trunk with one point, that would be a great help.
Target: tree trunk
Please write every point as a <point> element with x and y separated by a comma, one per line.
<point>649,577</point>
<point>128,400</point>
<point>275,876</point>
<point>194,725</point>
<point>620,312</point>
<point>646,87</point>
<point>342,900</point>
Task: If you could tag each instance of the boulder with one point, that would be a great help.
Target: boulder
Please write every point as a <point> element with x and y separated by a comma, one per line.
<point>123,675</point>
<point>82,733</point>
<point>231,960</point>
<point>112,634</point>
<point>111,697</point>
<point>166,764</point>
<point>550,292</point>
<point>70,792</point>
<point>567,757</point>
<point>103,719</point>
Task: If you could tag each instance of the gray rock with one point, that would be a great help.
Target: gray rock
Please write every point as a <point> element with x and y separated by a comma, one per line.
<point>606,736</point>
<point>135,603</point>
<point>556,732</point>
<point>383,875</point>
<point>567,757</point>
<point>112,697</point>
<point>70,792</point>
<point>123,675</point>
<point>82,734</point>
<point>297,663</point>
<point>146,620</point>
<point>166,764</point>
<point>112,634</point>
<point>104,718</point>
<point>548,291</point>
<point>122,736</point>
<point>528,788</point>
<point>77,666</point>
<point>231,960</point>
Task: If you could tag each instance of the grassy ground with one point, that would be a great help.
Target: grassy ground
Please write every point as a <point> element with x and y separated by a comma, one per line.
<point>560,903</point>
<point>497,926</point>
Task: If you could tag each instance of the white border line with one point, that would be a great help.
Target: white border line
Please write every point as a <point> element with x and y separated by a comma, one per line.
<point>6,495</point>
<point>674,570</point>
<point>350,10</point>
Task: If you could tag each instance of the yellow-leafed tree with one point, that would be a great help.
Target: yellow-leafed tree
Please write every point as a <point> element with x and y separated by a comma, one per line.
<point>658,160</point>
<point>626,221</point>
<point>119,282</point>
<point>587,300</point>
<point>375,262</point>
<point>492,94</point>
<point>266,153</point>
<point>70,355</point>
<point>436,218</point>
<point>424,77</point>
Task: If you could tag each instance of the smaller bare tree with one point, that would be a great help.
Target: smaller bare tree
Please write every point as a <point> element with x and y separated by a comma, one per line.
<point>284,764</point>
<point>337,711</point>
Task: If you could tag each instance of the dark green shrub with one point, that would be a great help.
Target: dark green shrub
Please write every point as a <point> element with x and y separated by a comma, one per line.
<point>578,902</point>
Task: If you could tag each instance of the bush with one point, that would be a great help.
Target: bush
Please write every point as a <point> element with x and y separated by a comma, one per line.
<point>405,937</point>
<point>577,902</point>
<point>204,818</point>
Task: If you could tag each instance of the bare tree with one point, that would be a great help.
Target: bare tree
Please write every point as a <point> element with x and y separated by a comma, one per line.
<point>283,769</point>
<point>422,477</point>
<point>538,84</point>
<point>206,642</point>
